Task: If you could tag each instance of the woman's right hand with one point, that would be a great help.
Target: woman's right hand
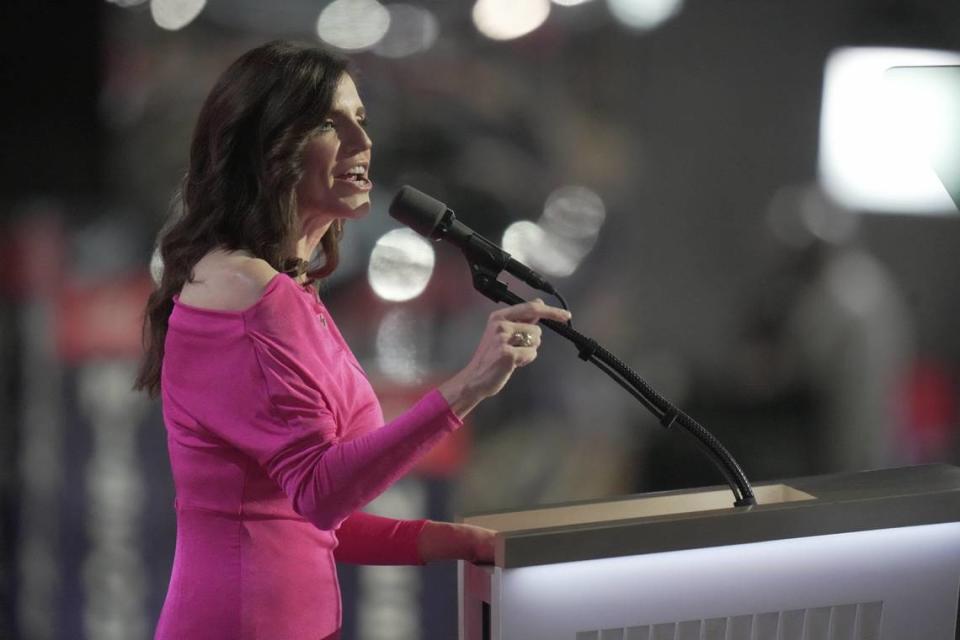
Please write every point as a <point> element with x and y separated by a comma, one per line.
<point>500,352</point>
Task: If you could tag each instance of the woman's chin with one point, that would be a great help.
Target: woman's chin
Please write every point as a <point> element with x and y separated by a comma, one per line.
<point>356,206</point>
<point>344,208</point>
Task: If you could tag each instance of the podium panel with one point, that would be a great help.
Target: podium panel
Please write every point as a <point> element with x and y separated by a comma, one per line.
<point>872,556</point>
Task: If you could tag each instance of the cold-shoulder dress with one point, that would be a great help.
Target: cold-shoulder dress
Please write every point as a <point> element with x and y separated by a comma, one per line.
<point>276,440</point>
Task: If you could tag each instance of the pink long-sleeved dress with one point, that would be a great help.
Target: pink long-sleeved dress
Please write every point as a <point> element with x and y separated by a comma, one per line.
<point>276,440</point>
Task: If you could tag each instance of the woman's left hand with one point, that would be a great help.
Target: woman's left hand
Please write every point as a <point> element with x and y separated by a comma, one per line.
<point>454,541</point>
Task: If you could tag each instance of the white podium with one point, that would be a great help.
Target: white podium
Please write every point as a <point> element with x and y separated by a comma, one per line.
<point>864,556</point>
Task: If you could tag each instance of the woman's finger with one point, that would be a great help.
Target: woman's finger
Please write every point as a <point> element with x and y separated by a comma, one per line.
<point>531,312</point>
<point>522,356</point>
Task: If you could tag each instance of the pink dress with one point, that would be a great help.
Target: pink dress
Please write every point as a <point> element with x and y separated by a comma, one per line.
<point>276,440</point>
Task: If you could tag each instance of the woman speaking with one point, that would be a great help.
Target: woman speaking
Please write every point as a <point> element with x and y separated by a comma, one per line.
<point>275,437</point>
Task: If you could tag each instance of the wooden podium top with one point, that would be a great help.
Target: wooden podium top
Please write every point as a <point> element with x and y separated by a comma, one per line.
<point>697,518</point>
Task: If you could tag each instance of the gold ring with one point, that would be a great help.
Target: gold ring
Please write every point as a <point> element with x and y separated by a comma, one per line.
<point>521,339</point>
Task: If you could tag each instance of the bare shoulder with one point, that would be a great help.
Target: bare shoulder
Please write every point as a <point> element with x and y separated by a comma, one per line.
<point>227,281</point>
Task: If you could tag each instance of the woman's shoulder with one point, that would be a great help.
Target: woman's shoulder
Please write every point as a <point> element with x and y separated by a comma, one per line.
<point>236,295</point>
<point>227,281</point>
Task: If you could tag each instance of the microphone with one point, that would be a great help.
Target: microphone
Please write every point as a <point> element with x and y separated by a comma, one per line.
<point>434,220</point>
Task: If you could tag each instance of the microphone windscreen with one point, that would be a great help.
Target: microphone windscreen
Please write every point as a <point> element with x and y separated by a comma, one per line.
<point>417,210</point>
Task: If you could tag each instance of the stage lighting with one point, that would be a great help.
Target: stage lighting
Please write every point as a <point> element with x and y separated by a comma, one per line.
<point>888,134</point>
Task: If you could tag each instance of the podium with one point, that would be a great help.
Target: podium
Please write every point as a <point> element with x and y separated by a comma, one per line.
<point>860,556</point>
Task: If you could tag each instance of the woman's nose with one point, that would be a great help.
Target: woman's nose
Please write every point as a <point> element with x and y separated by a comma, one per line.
<point>359,139</point>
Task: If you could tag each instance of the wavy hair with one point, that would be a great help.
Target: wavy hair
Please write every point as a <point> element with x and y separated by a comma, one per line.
<point>239,193</point>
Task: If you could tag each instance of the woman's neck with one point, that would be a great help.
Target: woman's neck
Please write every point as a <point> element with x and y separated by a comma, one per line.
<point>306,244</point>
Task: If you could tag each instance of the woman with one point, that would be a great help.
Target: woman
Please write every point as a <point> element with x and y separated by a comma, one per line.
<point>276,440</point>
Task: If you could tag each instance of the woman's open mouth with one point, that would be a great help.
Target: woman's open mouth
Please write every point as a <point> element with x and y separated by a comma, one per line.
<point>356,177</point>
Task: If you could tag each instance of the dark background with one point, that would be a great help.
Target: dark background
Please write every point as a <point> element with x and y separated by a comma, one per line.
<point>688,133</point>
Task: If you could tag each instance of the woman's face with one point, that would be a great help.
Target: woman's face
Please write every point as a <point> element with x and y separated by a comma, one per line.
<point>336,163</point>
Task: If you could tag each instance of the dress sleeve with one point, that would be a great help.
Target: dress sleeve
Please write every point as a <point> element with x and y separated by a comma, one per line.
<point>269,397</point>
<point>365,538</point>
<point>326,479</point>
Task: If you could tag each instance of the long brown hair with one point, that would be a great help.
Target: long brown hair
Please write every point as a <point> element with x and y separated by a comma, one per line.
<point>239,193</point>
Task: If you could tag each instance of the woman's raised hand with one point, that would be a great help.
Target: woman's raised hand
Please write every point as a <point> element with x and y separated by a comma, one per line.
<point>509,341</point>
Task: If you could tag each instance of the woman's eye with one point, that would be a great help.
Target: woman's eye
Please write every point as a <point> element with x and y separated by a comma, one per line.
<point>327,125</point>
<point>363,122</point>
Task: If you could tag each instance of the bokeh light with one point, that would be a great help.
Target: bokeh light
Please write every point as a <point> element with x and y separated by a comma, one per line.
<point>412,30</point>
<point>549,254</point>
<point>401,264</point>
<point>570,3</point>
<point>574,212</point>
<point>567,230</point>
<point>565,234</point>
<point>644,14</point>
<point>175,14</point>
<point>509,19</point>
<point>523,240</point>
<point>353,25</point>
<point>399,348</point>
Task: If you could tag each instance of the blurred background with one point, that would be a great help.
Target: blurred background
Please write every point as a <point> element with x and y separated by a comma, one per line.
<point>739,198</point>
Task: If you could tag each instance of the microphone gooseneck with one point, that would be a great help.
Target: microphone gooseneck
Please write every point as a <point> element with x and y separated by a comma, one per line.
<point>433,219</point>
